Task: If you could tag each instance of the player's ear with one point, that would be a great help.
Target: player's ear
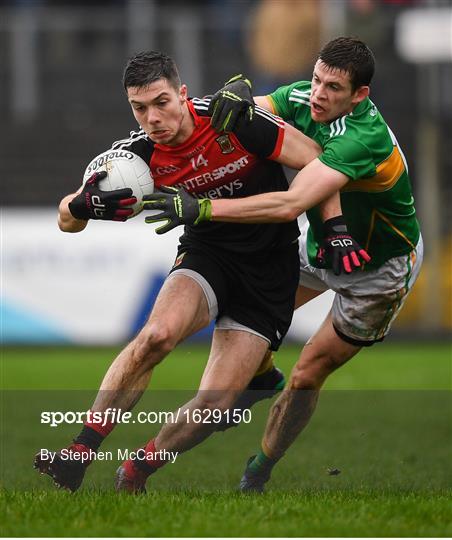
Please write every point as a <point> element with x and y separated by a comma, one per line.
<point>183,93</point>
<point>360,94</point>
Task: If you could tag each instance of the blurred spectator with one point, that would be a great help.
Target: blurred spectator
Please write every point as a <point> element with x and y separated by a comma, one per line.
<point>283,41</point>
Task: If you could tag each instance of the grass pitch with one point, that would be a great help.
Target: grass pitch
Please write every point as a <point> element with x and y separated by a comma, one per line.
<point>384,421</point>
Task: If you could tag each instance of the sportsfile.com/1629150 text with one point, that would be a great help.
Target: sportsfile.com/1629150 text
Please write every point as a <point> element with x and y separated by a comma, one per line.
<point>118,416</point>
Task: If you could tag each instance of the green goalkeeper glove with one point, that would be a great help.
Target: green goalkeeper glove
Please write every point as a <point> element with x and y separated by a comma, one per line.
<point>177,208</point>
<point>232,102</point>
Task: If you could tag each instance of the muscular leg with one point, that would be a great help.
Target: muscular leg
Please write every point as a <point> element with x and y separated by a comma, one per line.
<point>323,353</point>
<point>234,358</point>
<point>180,310</point>
<point>291,412</point>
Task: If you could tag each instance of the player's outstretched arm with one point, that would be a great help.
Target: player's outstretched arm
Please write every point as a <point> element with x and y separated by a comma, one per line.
<point>311,185</point>
<point>177,207</point>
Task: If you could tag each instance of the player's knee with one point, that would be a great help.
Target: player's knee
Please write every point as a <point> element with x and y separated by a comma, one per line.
<point>218,400</point>
<point>303,379</point>
<point>152,344</point>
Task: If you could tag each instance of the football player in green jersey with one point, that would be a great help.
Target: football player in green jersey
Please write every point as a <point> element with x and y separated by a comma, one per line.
<point>361,158</point>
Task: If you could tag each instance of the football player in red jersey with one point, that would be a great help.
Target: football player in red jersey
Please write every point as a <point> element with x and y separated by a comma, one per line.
<point>243,276</point>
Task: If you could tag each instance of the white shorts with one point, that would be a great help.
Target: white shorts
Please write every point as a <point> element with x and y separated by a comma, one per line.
<point>366,303</point>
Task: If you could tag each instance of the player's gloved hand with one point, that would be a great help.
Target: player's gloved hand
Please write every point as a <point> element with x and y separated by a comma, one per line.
<point>340,248</point>
<point>230,103</point>
<point>93,203</point>
<point>177,208</point>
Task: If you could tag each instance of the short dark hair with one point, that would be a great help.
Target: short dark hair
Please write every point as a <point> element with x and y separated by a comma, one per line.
<point>147,67</point>
<point>351,55</point>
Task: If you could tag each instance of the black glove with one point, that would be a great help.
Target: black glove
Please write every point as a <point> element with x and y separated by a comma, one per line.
<point>340,248</point>
<point>93,203</point>
<point>178,208</point>
<point>230,103</point>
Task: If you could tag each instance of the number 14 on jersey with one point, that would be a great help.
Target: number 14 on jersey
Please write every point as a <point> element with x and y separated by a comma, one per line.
<point>198,162</point>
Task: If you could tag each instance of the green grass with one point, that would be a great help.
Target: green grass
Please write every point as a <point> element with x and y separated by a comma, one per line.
<point>397,367</point>
<point>185,513</point>
<point>384,420</point>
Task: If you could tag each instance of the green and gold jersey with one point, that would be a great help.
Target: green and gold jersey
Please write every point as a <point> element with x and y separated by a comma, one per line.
<point>377,202</point>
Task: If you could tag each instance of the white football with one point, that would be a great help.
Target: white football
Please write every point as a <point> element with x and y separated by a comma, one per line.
<point>125,170</point>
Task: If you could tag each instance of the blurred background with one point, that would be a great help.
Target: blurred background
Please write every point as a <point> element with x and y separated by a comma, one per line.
<point>62,103</point>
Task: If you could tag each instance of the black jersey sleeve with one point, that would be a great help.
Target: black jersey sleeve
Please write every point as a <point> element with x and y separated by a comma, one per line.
<point>138,143</point>
<point>262,136</point>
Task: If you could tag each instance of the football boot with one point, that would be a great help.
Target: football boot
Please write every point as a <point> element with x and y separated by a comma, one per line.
<point>67,472</point>
<point>131,477</point>
<point>254,482</point>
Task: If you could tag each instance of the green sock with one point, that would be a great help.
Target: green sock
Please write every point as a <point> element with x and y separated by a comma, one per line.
<point>261,462</point>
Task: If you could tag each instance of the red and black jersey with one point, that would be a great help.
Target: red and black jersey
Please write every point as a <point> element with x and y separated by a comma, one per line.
<point>215,166</point>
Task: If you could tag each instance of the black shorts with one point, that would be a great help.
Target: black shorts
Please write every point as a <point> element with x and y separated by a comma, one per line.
<point>257,291</point>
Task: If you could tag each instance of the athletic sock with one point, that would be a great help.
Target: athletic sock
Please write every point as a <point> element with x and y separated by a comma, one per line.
<point>136,469</point>
<point>90,438</point>
<point>94,432</point>
<point>151,461</point>
<point>266,364</point>
<point>262,463</point>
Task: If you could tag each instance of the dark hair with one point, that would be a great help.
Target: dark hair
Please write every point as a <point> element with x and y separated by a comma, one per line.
<point>147,67</point>
<point>351,55</point>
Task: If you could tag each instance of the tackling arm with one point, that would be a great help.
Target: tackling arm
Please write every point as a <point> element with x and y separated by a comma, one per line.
<point>311,185</point>
<point>329,208</point>
<point>297,149</point>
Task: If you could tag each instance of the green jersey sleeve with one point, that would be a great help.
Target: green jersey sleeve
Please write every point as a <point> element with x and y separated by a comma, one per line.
<point>283,101</point>
<point>349,157</point>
